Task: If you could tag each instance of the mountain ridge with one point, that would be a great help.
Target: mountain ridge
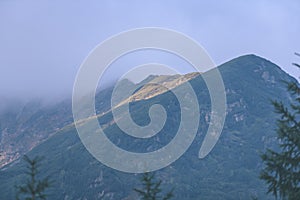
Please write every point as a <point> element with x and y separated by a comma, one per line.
<point>229,172</point>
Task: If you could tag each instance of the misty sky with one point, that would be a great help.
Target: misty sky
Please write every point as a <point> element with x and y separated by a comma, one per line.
<point>43,43</point>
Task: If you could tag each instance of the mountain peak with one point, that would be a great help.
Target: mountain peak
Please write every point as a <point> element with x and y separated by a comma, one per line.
<point>157,85</point>
<point>249,59</point>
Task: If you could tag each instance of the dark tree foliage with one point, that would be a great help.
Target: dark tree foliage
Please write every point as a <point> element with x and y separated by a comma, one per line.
<point>152,189</point>
<point>33,189</point>
<point>282,168</point>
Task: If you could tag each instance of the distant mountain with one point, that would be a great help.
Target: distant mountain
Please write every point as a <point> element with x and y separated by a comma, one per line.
<point>24,125</point>
<point>230,171</point>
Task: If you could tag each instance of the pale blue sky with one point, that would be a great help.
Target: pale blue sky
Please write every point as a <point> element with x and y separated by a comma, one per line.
<point>43,42</point>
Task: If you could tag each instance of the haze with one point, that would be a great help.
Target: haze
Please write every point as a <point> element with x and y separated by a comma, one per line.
<point>43,43</point>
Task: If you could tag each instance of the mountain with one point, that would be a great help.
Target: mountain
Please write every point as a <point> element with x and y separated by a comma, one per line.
<point>24,125</point>
<point>230,171</point>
